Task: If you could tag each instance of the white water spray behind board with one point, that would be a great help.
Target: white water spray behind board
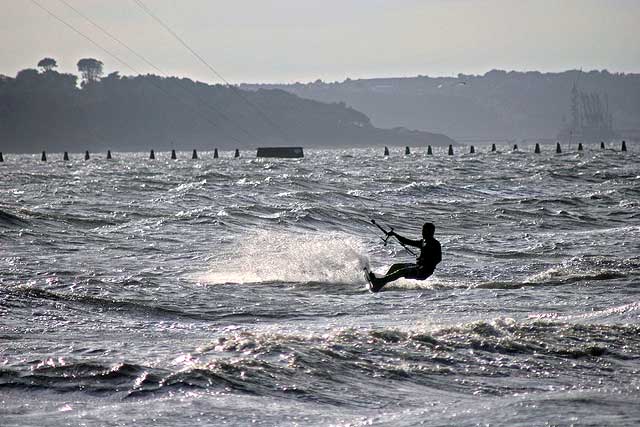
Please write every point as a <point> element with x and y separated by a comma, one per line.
<point>269,256</point>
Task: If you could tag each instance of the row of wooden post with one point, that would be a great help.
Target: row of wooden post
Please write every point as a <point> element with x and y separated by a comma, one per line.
<point>537,150</point>
<point>407,151</point>
<point>152,155</point>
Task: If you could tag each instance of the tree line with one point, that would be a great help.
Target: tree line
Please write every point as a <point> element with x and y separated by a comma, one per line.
<point>44,109</point>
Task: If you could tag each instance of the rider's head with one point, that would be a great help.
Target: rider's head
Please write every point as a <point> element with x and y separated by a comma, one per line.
<point>428,229</point>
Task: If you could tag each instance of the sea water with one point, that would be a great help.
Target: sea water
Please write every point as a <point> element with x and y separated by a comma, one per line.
<point>230,291</point>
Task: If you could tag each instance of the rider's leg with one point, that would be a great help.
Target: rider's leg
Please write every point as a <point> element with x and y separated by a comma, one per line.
<point>396,267</point>
<point>410,270</point>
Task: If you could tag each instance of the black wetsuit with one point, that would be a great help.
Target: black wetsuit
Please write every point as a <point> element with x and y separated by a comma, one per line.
<point>430,256</point>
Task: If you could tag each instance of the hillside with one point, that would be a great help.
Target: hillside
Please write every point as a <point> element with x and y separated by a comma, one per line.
<point>48,110</point>
<point>495,105</point>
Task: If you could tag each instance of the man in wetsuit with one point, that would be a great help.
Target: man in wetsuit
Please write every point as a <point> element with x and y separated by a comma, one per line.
<point>430,256</point>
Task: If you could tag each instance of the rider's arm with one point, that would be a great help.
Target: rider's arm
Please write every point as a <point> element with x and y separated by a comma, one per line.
<point>405,241</point>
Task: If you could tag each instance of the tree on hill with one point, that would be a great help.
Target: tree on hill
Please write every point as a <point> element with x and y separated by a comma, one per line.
<point>91,69</point>
<point>47,64</point>
<point>27,75</point>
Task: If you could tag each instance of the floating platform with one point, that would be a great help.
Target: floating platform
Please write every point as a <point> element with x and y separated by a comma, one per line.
<point>285,152</point>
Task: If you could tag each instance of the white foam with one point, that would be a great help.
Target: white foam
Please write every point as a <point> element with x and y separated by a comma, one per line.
<point>568,273</point>
<point>630,310</point>
<point>277,256</point>
<point>411,284</point>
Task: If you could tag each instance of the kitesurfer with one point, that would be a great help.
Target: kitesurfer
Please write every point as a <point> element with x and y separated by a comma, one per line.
<point>430,256</point>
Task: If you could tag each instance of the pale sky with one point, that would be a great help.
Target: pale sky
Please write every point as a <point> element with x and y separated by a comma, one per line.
<point>299,40</point>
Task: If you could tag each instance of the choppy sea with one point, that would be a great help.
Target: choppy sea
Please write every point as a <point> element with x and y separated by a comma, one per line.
<point>230,291</point>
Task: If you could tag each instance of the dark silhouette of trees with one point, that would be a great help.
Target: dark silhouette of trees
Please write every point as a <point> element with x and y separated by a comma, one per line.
<point>47,64</point>
<point>91,69</point>
<point>28,77</point>
<point>131,113</point>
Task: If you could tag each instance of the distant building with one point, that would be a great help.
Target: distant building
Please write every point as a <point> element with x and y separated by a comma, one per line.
<point>591,120</point>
